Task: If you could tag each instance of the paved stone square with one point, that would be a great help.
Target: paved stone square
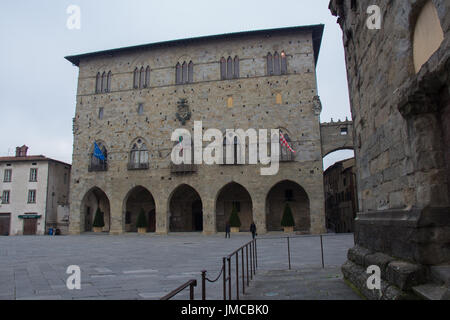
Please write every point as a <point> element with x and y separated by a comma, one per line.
<point>135,266</point>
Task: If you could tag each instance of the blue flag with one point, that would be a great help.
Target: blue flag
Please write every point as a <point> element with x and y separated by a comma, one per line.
<point>98,153</point>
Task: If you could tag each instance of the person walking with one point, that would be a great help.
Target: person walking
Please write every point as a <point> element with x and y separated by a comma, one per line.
<point>227,230</point>
<point>253,229</point>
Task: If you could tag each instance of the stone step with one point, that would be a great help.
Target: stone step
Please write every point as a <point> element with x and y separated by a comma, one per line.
<point>432,291</point>
<point>441,274</point>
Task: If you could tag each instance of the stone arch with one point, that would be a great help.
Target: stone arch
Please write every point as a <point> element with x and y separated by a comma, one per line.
<point>291,192</point>
<point>138,198</point>
<point>336,136</point>
<point>233,193</point>
<point>185,210</point>
<point>93,199</point>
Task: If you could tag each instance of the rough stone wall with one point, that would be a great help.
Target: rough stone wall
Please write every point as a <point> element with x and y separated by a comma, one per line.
<point>400,129</point>
<point>254,97</point>
<point>396,170</point>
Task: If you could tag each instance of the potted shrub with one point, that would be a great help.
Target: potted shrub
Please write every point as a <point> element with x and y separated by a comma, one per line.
<point>235,222</point>
<point>287,222</point>
<point>99,222</point>
<point>141,222</point>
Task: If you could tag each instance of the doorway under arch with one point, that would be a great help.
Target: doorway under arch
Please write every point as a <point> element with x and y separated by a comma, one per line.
<point>234,194</point>
<point>138,199</point>
<point>95,198</point>
<point>185,210</point>
<point>292,193</point>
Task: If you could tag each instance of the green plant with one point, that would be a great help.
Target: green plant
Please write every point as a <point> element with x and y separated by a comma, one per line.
<point>235,222</point>
<point>142,220</point>
<point>99,221</point>
<point>288,219</point>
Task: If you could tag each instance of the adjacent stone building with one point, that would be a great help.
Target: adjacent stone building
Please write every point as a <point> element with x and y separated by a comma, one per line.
<point>397,55</point>
<point>130,101</point>
<point>35,194</point>
<point>341,203</point>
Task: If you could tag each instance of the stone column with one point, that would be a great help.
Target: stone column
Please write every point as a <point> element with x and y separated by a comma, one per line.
<point>117,217</point>
<point>162,217</point>
<point>259,211</point>
<point>209,216</point>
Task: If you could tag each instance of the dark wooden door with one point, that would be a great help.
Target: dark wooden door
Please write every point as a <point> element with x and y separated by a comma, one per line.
<point>29,227</point>
<point>5,222</point>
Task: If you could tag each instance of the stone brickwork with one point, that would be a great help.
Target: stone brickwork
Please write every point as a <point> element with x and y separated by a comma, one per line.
<point>336,136</point>
<point>400,127</point>
<point>253,100</point>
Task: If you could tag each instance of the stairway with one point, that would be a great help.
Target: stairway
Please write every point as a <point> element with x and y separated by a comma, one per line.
<point>439,287</point>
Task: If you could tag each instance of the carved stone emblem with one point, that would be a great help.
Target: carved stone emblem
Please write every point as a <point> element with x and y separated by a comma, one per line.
<point>317,105</point>
<point>183,114</point>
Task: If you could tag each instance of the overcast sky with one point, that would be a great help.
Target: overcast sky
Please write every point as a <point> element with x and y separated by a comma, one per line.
<point>38,86</point>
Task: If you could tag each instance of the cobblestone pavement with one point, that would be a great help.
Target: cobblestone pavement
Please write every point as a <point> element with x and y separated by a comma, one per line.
<point>135,266</point>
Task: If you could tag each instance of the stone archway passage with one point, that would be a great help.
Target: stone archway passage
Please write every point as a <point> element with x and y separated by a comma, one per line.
<point>234,193</point>
<point>292,193</point>
<point>139,198</point>
<point>95,198</point>
<point>185,210</point>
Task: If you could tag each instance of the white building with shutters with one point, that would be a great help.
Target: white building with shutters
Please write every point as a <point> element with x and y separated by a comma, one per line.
<point>34,193</point>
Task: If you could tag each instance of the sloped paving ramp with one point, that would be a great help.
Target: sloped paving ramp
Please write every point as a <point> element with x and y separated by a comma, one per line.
<point>301,284</point>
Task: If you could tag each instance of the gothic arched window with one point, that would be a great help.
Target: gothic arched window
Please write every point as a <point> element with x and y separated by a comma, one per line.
<point>191,72</point>
<point>136,78</point>
<point>178,78</point>
<point>142,78</point>
<point>184,72</point>
<point>99,160</point>
<point>269,64</point>
<point>104,82</point>
<point>229,68</point>
<point>276,64</point>
<point>283,63</point>
<point>98,83</point>
<point>138,156</point>
<point>108,82</point>
<point>286,155</point>
<point>236,67</point>
<point>147,77</point>
<point>223,68</point>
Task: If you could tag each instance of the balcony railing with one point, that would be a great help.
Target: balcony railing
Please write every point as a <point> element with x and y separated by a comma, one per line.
<point>183,168</point>
<point>287,157</point>
<point>138,166</point>
<point>98,167</point>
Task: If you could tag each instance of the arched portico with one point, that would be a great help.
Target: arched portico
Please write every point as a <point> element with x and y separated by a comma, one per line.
<point>233,194</point>
<point>185,210</point>
<point>287,192</point>
<point>139,198</point>
<point>93,199</point>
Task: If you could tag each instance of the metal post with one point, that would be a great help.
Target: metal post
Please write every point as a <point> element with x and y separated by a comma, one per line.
<point>224,279</point>
<point>237,275</point>
<point>254,265</point>
<point>203,284</point>
<point>321,248</point>
<point>243,278</point>
<point>256,254</point>
<point>191,290</point>
<point>289,253</point>
<point>246,255</point>
<point>251,262</point>
<point>229,278</point>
